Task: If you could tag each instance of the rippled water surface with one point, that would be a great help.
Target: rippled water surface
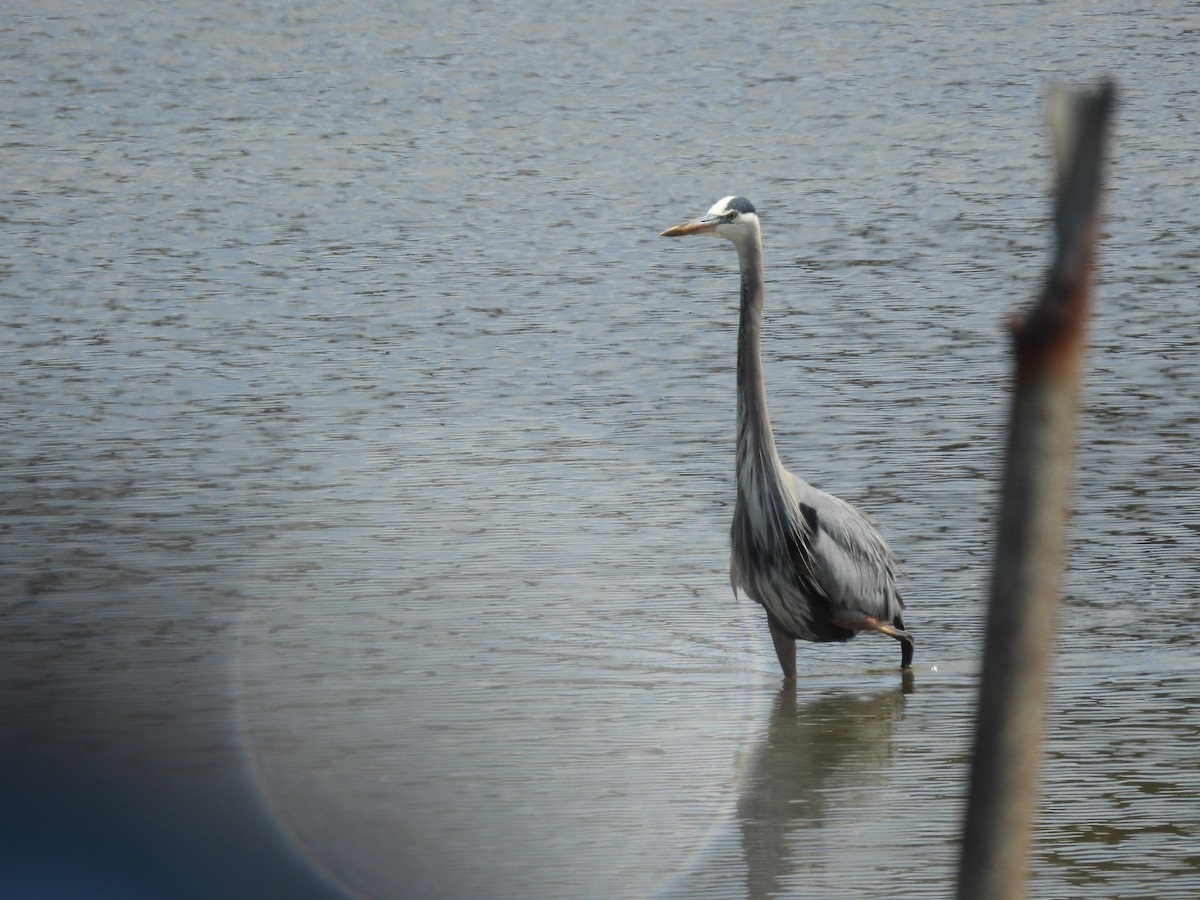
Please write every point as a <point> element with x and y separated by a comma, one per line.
<point>367,459</point>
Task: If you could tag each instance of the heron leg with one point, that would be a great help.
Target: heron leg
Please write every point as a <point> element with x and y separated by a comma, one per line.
<point>856,620</point>
<point>785,646</point>
<point>906,646</point>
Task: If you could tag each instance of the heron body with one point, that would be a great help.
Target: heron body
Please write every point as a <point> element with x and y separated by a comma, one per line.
<point>815,563</point>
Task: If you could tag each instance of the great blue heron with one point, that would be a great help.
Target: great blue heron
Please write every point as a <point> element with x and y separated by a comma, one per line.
<point>815,563</point>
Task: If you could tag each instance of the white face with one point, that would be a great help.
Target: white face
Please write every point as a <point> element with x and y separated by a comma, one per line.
<point>732,225</point>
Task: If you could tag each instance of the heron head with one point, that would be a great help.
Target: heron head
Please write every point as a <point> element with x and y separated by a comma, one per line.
<point>730,217</point>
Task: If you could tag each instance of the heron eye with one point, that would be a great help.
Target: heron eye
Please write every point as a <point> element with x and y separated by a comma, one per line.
<point>731,215</point>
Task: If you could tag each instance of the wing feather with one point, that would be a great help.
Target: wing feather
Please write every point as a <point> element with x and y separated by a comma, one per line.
<point>853,564</point>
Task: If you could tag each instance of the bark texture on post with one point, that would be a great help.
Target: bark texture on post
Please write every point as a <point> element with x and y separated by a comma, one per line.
<point>1022,614</point>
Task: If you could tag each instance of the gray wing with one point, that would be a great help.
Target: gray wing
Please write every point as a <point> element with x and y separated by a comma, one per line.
<point>853,564</point>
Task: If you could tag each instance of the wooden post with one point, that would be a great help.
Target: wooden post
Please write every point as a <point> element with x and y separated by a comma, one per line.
<point>1048,344</point>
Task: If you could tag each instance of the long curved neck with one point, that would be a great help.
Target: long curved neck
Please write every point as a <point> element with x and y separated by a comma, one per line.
<point>756,453</point>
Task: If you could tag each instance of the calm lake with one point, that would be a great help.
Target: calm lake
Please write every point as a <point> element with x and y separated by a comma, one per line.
<point>367,462</point>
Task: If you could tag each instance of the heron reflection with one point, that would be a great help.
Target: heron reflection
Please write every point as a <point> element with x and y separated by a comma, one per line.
<point>817,760</point>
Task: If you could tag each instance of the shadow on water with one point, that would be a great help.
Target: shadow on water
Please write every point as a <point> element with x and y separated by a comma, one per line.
<point>818,763</point>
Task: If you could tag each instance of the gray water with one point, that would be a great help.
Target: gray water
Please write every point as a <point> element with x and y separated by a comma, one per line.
<point>367,459</point>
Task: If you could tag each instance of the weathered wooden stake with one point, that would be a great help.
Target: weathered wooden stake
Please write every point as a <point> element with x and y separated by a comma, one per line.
<point>1025,581</point>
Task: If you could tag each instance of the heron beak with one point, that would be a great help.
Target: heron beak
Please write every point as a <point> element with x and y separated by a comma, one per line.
<point>703,225</point>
